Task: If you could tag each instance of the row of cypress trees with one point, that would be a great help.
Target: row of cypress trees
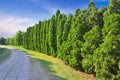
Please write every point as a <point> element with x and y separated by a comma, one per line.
<point>87,40</point>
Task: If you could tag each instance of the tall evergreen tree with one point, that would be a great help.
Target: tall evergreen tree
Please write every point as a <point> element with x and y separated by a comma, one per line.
<point>109,49</point>
<point>59,34</point>
<point>47,38</point>
<point>52,36</point>
<point>35,37</point>
<point>91,15</point>
<point>92,40</point>
<point>67,27</point>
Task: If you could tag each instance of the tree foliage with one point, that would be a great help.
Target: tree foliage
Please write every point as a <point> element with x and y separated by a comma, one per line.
<point>17,39</point>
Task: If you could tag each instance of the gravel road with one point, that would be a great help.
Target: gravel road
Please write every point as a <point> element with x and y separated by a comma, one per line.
<point>19,66</point>
<point>16,67</point>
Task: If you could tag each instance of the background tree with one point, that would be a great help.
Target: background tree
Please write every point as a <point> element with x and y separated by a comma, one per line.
<point>2,41</point>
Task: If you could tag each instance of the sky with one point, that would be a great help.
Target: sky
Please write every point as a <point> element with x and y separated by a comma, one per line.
<point>18,15</point>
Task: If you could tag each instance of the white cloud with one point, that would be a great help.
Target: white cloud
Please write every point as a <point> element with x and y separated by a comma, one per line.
<point>9,25</point>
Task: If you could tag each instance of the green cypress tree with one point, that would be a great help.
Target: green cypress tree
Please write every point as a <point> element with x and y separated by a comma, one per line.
<point>52,36</point>
<point>47,38</point>
<point>39,47</point>
<point>67,27</point>
<point>92,40</point>
<point>38,34</point>
<point>44,36</point>
<point>25,41</point>
<point>34,37</point>
<point>31,45</point>
<point>60,29</point>
<point>91,15</point>
<point>71,51</point>
<point>106,66</point>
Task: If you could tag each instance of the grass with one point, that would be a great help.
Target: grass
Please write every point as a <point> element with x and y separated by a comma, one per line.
<point>4,53</point>
<point>56,67</point>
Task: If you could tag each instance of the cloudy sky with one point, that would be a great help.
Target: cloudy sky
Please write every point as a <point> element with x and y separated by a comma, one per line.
<point>18,15</point>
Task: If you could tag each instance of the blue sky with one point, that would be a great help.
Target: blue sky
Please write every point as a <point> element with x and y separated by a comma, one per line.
<point>20,14</point>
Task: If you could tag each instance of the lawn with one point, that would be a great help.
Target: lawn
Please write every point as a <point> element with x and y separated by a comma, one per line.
<point>4,53</point>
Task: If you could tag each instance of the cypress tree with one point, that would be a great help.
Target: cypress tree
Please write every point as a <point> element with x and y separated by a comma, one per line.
<point>92,40</point>
<point>60,29</point>
<point>52,37</point>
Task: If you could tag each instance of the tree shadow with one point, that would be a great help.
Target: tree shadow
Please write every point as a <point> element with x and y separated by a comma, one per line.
<point>47,66</point>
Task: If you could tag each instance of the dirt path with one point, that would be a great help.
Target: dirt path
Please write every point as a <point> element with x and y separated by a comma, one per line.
<point>16,67</point>
<point>20,67</point>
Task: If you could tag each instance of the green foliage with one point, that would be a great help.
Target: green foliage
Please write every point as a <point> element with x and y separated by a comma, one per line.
<point>59,34</point>
<point>114,6</point>
<point>106,59</point>
<point>112,23</point>
<point>67,27</point>
<point>100,16</point>
<point>17,39</point>
<point>52,37</point>
<point>91,15</point>
<point>92,40</point>
<point>87,64</point>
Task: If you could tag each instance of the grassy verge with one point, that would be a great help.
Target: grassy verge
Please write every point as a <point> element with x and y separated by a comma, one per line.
<point>56,67</point>
<point>4,53</point>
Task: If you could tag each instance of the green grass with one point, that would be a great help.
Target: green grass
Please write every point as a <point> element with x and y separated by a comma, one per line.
<point>4,53</point>
<point>56,67</point>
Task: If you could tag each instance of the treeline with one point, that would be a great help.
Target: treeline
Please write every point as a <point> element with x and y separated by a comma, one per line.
<point>2,41</point>
<point>88,40</point>
<point>16,40</point>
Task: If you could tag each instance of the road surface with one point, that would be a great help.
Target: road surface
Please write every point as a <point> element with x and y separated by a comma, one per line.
<point>19,66</point>
<point>16,67</point>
